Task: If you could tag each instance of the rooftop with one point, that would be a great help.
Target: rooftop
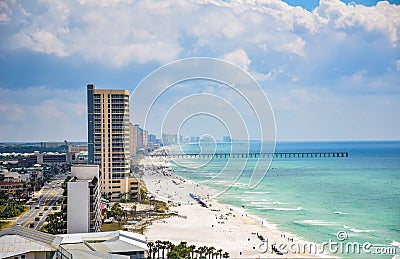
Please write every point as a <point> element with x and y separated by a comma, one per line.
<point>19,240</point>
<point>108,242</point>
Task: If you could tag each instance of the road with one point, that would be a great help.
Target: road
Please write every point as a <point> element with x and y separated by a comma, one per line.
<point>49,195</point>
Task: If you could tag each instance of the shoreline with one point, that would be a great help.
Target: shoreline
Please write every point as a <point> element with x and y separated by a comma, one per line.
<point>226,227</point>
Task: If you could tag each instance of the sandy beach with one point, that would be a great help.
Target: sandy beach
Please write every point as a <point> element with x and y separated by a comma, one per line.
<point>225,227</point>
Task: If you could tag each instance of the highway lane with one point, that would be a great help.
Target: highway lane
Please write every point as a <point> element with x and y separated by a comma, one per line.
<point>49,195</point>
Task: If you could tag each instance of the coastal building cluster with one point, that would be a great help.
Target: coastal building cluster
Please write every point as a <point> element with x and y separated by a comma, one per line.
<point>99,172</point>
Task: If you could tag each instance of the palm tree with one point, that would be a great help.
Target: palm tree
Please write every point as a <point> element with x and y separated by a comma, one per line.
<point>169,246</point>
<point>150,245</point>
<point>192,249</point>
<point>158,245</point>
<point>163,247</point>
<point>211,252</point>
<point>155,250</point>
<point>219,252</point>
<point>197,251</point>
<point>225,255</point>
<point>206,252</point>
<point>203,250</point>
<point>133,208</point>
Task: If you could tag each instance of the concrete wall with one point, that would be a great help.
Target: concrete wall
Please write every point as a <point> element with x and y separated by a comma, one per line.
<point>78,203</point>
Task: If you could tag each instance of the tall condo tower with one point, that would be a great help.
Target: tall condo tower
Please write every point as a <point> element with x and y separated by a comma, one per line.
<point>108,141</point>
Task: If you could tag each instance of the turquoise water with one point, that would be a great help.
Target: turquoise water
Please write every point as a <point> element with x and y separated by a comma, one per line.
<point>314,198</point>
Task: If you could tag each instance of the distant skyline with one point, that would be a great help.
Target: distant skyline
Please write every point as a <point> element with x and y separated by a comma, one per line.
<point>330,68</point>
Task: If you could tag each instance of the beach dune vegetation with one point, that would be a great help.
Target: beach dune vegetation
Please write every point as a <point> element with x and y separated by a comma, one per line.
<point>168,250</point>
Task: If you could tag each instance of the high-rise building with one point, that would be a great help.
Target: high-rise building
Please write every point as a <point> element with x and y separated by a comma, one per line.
<point>226,139</point>
<point>109,141</point>
<point>152,139</point>
<point>82,200</point>
<point>145,138</point>
<point>133,130</point>
<point>138,138</point>
<point>169,139</point>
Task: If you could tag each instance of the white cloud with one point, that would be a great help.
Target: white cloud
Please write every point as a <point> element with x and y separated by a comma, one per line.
<point>125,32</point>
<point>4,12</point>
<point>41,41</point>
<point>383,17</point>
<point>295,47</point>
<point>238,57</point>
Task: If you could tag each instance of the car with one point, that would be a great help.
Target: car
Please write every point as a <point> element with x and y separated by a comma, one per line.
<point>41,214</point>
<point>54,207</point>
<point>32,225</point>
<point>46,208</point>
<point>37,219</point>
<point>37,207</point>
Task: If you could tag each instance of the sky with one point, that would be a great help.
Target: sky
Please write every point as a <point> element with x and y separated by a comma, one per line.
<point>330,68</point>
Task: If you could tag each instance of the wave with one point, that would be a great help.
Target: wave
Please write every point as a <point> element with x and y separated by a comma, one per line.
<point>240,184</point>
<point>316,222</point>
<point>283,209</point>
<point>248,192</point>
<point>259,202</point>
<point>280,203</point>
<point>395,243</point>
<point>340,213</point>
<point>356,230</point>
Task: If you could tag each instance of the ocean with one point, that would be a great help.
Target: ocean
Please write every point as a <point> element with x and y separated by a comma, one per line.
<point>313,198</point>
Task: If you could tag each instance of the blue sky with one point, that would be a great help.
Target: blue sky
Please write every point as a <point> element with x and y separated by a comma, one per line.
<point>330,68</point>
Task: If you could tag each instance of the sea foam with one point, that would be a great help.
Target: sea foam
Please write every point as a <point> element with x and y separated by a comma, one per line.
<point>316,222</point>
<point>284,209</point>
<point>356,230</point>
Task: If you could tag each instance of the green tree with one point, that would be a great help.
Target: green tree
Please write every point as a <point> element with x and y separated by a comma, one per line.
<point>173,255</point>
<point>10,209</point>
<point>143,194</point>
<point>55,223</point>
<point>169,247</point>
<point>116,211</point>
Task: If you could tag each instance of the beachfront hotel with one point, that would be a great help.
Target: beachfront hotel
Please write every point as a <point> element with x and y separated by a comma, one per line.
<point>109,142</point>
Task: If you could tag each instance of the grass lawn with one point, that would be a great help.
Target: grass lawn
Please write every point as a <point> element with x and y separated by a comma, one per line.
<point>6,224</point>
<point>112,226</point>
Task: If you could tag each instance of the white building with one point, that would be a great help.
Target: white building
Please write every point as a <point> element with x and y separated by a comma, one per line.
<point>82,204</point>
<point>25,243</point>
<point>118,244</point>
<point>20,242</point>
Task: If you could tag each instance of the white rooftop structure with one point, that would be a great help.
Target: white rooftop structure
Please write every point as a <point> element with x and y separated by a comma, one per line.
<point>118,242</point>
<point>22,241</point>
<point>19,241</point>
